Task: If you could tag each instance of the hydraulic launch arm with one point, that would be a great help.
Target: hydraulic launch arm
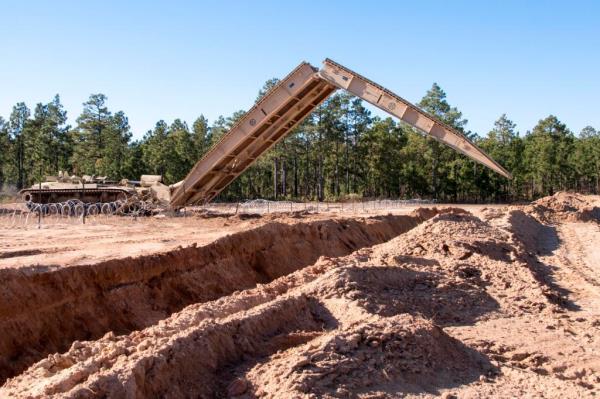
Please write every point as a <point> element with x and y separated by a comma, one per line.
<point>284,107</point>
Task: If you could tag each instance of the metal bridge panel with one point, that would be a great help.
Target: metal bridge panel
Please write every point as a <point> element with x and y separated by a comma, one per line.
<point>338,75</point>
<point>218,167</point>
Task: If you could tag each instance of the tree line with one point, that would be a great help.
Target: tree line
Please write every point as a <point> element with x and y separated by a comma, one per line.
<point>341,151</point>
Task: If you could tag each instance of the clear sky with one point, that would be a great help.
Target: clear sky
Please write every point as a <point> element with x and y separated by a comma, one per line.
<point>178,59</point>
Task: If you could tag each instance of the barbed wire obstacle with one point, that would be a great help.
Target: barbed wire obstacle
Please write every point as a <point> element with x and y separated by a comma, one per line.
<point>29,214</point>
<point>132,206</point>
<point>263,206</point>
<point>73,210</point>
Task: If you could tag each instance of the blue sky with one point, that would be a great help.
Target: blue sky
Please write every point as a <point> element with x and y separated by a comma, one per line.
<point>178,59</point>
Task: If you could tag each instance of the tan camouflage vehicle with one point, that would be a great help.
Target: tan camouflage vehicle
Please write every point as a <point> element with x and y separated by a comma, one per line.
<point>74,195</point>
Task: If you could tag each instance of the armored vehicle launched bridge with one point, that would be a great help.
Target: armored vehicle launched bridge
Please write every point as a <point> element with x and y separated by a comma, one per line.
<point>268,121</point>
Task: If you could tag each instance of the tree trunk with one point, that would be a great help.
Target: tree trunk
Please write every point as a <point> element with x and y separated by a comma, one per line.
<point>347,140</point>
<point>320,179</point>
<point>295,176</point>
<point>275,177</point>
<point>283,178</point>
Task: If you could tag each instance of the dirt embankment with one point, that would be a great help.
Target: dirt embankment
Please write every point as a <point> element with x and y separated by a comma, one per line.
<point>566,207</point>
<point>370,323</point>
<point>45,309</point>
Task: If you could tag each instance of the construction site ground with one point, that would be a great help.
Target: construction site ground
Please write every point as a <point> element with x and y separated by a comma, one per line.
<point>454,301</point>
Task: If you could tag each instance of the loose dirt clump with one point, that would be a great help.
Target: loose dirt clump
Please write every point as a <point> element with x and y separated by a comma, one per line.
<point>399,353</point>
<point>566,207</point>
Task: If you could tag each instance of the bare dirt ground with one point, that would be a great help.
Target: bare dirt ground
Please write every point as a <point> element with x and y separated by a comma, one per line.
<point>60,243</point>
<point>460,302</point>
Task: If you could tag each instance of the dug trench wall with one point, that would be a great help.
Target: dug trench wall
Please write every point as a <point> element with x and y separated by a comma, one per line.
<point>44,309</point>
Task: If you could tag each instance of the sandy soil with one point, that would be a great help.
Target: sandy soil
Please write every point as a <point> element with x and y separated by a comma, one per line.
<point>67,244</point>
<point>490,302</point>
<point>59,243</point>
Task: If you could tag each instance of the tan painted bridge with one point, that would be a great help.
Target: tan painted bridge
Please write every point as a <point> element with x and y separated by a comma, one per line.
<point>284,107</point>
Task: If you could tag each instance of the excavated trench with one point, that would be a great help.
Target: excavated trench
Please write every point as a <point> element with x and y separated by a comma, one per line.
<point>45,309</point>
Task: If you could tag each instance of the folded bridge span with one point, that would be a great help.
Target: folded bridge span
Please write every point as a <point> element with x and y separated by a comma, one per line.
<point>284,107</point>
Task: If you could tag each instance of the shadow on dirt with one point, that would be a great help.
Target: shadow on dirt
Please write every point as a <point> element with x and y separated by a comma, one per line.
<point>315,322</point>
<point>390,291</point>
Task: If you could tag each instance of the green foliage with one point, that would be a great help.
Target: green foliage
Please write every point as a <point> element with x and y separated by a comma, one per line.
<point>18,132</point>
<point>269,84</point>
<point>101,140</point>
<point>380,148</point>
<point>505,146</point>
<point>5,147</point>
<point>586,160</point>
<point>201,136</point>
<point>338,152</point>
<point>169,150</point>
<point>547,152</point>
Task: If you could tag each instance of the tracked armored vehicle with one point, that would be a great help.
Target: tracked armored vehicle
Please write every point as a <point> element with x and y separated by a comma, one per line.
<point>74,195</point>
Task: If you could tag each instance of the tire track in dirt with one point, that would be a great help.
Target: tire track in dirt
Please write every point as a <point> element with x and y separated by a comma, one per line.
<point>578,240</point>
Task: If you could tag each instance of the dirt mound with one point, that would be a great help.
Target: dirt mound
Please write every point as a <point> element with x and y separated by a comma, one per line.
<point>482,265</point>
<point>532,233</point>
<point>566,207</point>
<point>399,354</point>
<point>295,341</point>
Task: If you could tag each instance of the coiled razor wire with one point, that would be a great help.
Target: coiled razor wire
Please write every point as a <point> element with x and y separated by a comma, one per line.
<point>75,208</point>
<point>26,213</point>
<point>132,206</point>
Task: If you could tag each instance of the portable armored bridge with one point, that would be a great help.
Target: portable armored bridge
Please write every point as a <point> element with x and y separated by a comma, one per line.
<point>284,107</point>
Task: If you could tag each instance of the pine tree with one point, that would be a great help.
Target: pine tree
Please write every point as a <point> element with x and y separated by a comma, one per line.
<point>62,147</point>
<point>381,148</point>
<point>155,152</point>
<point>134,165</point>
<point>269,84</point>
<point>5,150</point>
<point>416,168</point>
<point>201,136</point>
<point>586,160</point>
<point>505,146</point>
<point>89,136</point>
<point>100,140</point>
<point>547,152</point>
<point>115,140</point>
<point>47,148</point>
<point>184,153</point>
<point>446,170</point>
<point>17,130</point>
<point>358,122</point>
